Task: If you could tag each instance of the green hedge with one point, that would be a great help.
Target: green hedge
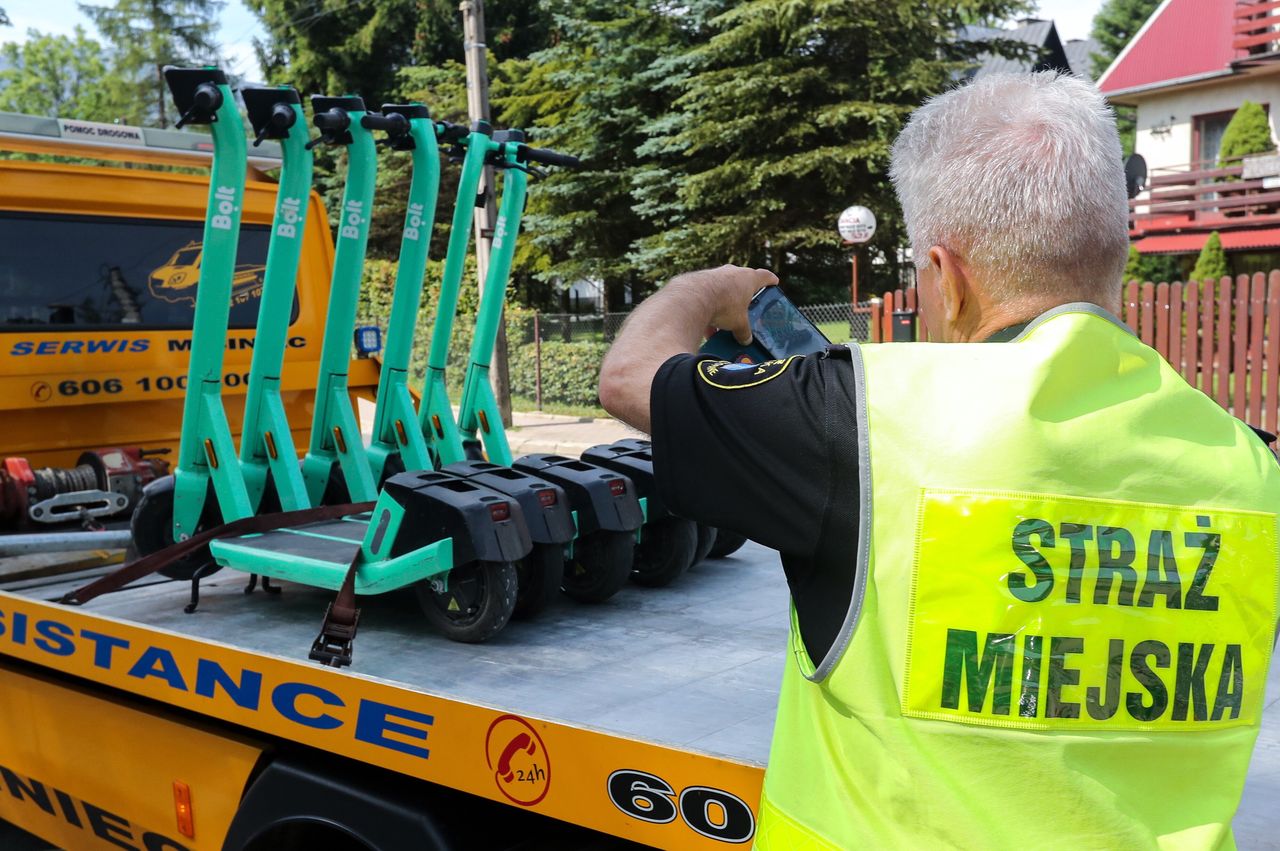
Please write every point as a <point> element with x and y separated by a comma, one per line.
<point>570,372</point>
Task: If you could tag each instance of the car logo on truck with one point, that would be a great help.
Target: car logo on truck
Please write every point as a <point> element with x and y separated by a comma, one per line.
<point>175,281</point>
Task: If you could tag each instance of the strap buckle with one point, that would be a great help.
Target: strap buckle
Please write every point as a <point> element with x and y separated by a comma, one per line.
<point>333,646</point>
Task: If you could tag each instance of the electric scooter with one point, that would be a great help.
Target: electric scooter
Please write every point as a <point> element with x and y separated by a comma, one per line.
<point>397,443</point>
<point>423,526</point>
<point>667,543</point>
<point>603,506</point>
<point>605,510</point>
<point>268,459</point>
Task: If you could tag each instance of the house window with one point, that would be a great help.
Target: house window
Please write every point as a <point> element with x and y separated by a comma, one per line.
<point>1206,137</point>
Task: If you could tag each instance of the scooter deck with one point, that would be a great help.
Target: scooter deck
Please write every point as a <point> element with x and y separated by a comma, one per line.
<point>320,554</point>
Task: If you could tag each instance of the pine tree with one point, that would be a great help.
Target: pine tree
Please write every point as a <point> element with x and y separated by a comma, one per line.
<point>1114,26</point>
<point>1248,132</point>
<point>592,95</point>
<point>336,46</point>
<point>146,35</point>
<point>1212,263</point>
<point>783,118</point>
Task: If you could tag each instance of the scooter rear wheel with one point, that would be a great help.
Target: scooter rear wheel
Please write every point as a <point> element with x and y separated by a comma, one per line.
<point>666,551</point>
<point>539,575</point>
<point>477,605</point>
<point>600,566</point>
<point>727,543</point>
<point>706,540</point>
<point>152,529</point>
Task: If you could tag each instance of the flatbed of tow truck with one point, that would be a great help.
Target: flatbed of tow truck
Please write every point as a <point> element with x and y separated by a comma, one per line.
<point>677,685</point>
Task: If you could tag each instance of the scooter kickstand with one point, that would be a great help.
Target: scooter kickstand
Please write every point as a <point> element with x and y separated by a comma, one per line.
<point>253,583</point>
<point>268,587</point>
<point>201,572</point>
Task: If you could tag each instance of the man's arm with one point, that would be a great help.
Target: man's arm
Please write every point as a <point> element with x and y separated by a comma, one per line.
<point>673,322</point>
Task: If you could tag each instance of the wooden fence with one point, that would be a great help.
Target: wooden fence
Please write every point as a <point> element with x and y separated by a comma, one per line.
<point>1223,336</point>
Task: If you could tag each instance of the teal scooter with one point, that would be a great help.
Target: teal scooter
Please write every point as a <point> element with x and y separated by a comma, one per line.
<point>397,443</point>
<point>268,458</point>
<point>668,544</point>
<point>606,511</point>
<point>422,527</point>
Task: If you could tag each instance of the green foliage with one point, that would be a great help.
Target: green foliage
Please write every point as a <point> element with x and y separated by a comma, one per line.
<point>60,76</point>
<point>1248,132</point>
<point>592,93</point>
<point>1152,267</point>
<point>570,372</point>
<point>146,35</point>
<point>783,117</point>
<point>1212,263</point>
<point>1115,24</point>
<point>336,46</point>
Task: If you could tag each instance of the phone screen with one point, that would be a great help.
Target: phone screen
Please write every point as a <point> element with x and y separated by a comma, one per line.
<point>780,328</point>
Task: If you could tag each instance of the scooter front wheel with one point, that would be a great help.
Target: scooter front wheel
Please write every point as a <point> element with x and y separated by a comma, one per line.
<point>727,543</point>
<point>666,551</point>
<point>706,540</point>
<point>478,603</point>
<point>152,529</point>
<point>600,566</point>
<point>539,575</point>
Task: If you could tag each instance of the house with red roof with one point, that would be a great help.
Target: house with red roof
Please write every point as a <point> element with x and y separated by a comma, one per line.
<point>1186,71</point>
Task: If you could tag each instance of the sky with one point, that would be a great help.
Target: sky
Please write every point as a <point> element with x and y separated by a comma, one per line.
<point>239,26</point>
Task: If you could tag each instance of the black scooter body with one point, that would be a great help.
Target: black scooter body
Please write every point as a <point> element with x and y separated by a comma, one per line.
<point>605,500</point>
<point>545,506</point>
<point>439,505</point>
<point>632,458</point>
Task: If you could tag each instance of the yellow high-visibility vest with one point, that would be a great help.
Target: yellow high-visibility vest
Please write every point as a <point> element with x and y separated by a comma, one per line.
<point>1064,612</point>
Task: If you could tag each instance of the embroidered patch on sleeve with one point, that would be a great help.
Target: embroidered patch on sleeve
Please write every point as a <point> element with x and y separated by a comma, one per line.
<point>738,376</point>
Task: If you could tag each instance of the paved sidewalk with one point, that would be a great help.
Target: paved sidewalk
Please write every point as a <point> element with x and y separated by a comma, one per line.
<point>538,432</point>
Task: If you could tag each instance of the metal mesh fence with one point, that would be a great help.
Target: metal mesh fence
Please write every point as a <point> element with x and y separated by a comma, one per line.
<point>840,323</point>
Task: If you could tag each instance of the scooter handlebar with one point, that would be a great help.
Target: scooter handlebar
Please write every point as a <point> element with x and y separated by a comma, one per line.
<point>549,157</point>
<point>332,120</point>
<point>393,123</point>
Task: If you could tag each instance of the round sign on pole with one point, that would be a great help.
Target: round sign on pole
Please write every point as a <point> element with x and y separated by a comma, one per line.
<point>857,224</point>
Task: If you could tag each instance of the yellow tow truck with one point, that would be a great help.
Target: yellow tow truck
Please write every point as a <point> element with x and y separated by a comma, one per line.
<point>99,254</point>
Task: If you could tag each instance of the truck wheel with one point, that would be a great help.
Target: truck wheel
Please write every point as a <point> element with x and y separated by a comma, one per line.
<point>665,551</point>
<point>706,540</point>
<point>478,604</point>
<point>727,543</point>
<point>539,575</point>
<point>600,566</point>
<point>152,529</point>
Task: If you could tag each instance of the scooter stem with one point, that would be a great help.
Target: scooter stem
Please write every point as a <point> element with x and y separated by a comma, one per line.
<point>479,409</point>
<point>266,443</point>
<point>206,452</point>
<point>435,413</point>
<point>335,431</point>
<point>395,429</point>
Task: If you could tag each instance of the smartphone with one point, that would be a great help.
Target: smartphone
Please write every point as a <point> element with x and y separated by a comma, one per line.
<point>779,330</point>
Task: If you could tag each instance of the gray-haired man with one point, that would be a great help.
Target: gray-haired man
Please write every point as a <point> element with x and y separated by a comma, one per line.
<point>1034,584</point>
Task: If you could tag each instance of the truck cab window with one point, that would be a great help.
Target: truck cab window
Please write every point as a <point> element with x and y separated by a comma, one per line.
<point>97,272</point>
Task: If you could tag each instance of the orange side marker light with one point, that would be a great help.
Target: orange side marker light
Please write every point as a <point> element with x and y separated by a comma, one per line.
<point>182,808</point>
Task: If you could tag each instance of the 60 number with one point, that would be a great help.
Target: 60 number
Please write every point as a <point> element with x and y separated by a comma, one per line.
<point>714,813</point>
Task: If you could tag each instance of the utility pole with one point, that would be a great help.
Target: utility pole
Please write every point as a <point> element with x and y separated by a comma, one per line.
<point>474,50</point>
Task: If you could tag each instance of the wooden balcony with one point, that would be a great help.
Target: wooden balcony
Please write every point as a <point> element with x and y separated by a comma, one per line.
<point>1254,29</point>
<point>1203,197</point>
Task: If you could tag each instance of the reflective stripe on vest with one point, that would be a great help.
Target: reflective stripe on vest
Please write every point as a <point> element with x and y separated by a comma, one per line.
<point>1065,608</point>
